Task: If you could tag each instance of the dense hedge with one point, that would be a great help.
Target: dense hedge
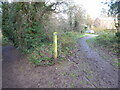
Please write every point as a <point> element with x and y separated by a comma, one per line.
<point>22,23</point>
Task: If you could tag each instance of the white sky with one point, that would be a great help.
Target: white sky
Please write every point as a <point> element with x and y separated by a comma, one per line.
<point>93,7</point>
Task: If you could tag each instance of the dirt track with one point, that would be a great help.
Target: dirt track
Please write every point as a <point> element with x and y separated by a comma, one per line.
<point>85,69</point>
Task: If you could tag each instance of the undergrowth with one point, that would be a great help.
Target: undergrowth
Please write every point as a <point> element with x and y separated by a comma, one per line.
<point>5,41</point>
<point>108,40</point>
<point>43,54</point>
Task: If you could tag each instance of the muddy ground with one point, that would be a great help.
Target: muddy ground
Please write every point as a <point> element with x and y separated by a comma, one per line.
<point>85,69</point>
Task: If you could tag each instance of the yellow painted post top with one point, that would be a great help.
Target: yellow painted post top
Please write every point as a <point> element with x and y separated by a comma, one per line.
<point>55,44</point>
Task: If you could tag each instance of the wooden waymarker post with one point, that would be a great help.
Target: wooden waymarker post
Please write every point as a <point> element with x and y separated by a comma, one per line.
<point>55,45</point>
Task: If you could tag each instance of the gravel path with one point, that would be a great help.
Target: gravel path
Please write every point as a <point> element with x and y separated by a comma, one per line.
<point>84,69</point>
<point>105,75</point>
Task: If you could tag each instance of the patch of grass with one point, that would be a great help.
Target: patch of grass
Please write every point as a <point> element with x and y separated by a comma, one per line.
<point>73,75</point>
<point>116,63</point>
<point>105,40</point>
<point>64,73</point>
<point>50,83</point>
<point>88,71</point>
<point>66,42</point>
<point>72,85</point>
<point>105,57</point>
<point>80,36</point>
<point>91,40</point>
<point>81,82</point>
<point>89,76</point>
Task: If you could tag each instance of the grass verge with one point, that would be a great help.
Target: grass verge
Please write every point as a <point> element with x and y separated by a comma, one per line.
<point>106,41</point>
<point>43,54</point>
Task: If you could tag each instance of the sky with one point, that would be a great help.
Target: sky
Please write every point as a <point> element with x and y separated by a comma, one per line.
<point>93,7</point>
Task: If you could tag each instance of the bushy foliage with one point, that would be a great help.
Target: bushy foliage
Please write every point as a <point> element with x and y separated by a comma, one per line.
<point>22,25</point>
<point>108,40</point>
<point>30,28</point>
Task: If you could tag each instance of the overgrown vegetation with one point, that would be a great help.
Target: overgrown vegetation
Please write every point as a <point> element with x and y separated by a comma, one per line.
<point>108,40</point>
<point>29,26</point>
<point>42,55</point>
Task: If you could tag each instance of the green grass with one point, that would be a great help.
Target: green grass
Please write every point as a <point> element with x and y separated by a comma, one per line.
<point>106,41</point>
<point>116,63</point>
<point>73,75</point>
<point>75,35</point>
<point>66,42</point>
<point>91,40</point>
<point>42,54</point>
<point>50,83</point>
<point>82,36</point>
